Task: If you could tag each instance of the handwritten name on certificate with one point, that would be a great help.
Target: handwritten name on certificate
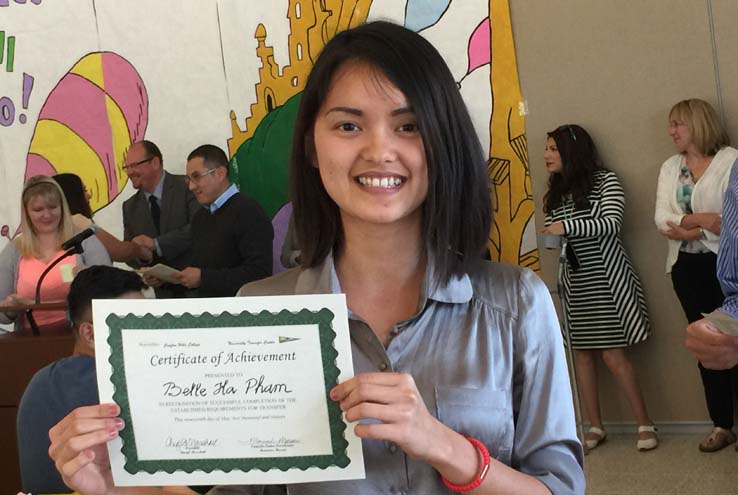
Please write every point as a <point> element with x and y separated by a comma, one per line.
<point>227,390</point>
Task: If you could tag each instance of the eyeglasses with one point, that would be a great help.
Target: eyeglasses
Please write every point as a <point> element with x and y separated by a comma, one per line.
<point>196,177</point>
<point>135,165</point>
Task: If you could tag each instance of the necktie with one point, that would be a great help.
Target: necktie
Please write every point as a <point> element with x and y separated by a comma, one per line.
<point>155,212</point>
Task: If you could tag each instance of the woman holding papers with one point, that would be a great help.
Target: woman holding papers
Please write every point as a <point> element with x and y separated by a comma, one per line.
<point>461,382</point>
<point>45,225</point>
<point>689,203</point>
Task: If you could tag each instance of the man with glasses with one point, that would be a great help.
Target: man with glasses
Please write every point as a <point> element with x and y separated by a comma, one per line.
<point>231,234</point>
<point>158,216</point>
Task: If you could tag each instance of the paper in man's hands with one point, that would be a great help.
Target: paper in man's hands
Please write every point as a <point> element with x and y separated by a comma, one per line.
<point>723,322</point>
<point>162,272</point>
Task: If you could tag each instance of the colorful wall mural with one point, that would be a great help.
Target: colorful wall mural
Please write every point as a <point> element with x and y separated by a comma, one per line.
<point>81,80</point>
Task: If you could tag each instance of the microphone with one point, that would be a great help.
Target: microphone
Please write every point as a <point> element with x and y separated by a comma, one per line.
<point>70,246</point>
<point>77,239</point>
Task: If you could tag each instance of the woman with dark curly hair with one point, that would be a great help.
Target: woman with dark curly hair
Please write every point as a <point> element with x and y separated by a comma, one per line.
<point>603,300</point>
<point>78,199</point>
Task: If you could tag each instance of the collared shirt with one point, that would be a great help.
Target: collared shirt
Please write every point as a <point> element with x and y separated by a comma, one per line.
<point>227,194</point>
<point>727,264</point>
<point>486,354</point>
<point>157,193</point>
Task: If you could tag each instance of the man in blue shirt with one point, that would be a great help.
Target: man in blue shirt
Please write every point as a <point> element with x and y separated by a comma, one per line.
<point>713,348</point>
<point>70,382</point>
<point>231,234</point>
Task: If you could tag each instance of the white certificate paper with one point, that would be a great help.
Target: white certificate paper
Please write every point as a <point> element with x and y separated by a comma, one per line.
<point>227,390</point>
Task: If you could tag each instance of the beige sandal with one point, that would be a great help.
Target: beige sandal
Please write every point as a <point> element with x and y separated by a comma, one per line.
<point>601,437</point>
<point>718,439</point>
<point>648,443</point>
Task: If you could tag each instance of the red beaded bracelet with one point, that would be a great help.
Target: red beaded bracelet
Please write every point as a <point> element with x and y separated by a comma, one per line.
<point>482,473</point>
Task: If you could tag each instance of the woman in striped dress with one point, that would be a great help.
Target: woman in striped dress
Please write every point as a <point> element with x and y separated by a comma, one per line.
<point>603,300</point>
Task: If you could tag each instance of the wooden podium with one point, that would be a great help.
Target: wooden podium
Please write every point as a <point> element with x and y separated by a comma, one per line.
<point>22,354</point>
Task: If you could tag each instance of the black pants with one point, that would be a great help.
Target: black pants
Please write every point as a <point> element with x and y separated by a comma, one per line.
<point>694,277</point>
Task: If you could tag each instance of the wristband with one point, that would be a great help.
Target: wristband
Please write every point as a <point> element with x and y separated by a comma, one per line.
<point>481,474</point>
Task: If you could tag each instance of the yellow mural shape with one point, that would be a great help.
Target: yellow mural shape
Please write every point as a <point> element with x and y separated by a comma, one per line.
<point>512,198</point>
<point>90,67</point>
<point>312,24</point>
<point>67,158</point>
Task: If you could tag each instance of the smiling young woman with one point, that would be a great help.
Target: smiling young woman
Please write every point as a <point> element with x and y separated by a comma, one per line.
<point>461,381</point>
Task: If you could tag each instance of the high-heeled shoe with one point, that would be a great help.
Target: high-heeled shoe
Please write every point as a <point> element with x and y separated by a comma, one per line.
<point>594,442</point>
<point>648,443</point>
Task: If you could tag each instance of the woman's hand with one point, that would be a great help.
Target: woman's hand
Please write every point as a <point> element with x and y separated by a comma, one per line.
<point>711,222</point>
<point>393,399</point>
<point>142,255</point>
<point>15,299</point>
<point>78,447</point>
<point>679,233</point>
<point>556,228</point>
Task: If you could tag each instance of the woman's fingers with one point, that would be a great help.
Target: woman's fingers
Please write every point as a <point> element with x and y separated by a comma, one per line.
<point>98,411</point>
<point>70,468</point>
<point>343,389</point>
<point>392,412</point>
<point>83,428</point>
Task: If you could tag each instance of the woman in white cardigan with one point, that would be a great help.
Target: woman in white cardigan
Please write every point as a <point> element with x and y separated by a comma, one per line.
<point>689,202</point>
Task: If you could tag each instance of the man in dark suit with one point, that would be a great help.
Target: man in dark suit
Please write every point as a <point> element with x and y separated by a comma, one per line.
<point>158,216</point>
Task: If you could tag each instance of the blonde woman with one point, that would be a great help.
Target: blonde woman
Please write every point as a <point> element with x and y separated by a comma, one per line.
<point>45,223</point>
<point>689,202</point>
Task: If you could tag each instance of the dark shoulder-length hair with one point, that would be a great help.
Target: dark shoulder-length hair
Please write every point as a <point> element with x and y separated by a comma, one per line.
<point>74,192</point>
<point>457,210</point>
<point>579,162</point>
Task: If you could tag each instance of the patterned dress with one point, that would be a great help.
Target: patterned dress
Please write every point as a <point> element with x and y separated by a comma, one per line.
<point>604,303</point>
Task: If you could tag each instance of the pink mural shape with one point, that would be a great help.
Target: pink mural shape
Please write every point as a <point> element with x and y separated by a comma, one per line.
<point>479,51</point>
<point>38,165</point>
<point>79,103</point>
<point>125,87</point>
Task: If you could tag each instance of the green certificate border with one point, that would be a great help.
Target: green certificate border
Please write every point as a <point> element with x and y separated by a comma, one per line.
<point>323,318</point>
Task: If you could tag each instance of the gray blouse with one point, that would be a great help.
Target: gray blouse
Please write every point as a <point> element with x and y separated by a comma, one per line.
<point>486,354</point>
<point>94,254</point>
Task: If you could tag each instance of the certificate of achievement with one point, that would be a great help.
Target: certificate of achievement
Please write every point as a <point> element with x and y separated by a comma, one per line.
<point>227,390</point>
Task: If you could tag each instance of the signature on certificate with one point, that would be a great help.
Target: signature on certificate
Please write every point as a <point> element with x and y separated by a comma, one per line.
<point>281,444</point>
<point>190,443</point>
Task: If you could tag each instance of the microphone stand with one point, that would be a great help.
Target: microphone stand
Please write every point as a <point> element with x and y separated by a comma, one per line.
<point>567,333</point>
<point>75,249</point>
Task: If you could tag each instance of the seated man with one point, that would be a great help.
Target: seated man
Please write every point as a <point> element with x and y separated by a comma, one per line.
<point>67,383</point>
<point>231,234</point>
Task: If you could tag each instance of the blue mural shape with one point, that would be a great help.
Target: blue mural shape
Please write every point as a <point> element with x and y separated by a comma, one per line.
<point>420,14</point>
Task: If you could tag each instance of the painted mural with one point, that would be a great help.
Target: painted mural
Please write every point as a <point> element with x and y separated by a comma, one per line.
<point>223,72</point>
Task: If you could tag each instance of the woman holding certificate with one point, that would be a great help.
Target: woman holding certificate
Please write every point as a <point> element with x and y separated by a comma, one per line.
<point>461,382</point>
